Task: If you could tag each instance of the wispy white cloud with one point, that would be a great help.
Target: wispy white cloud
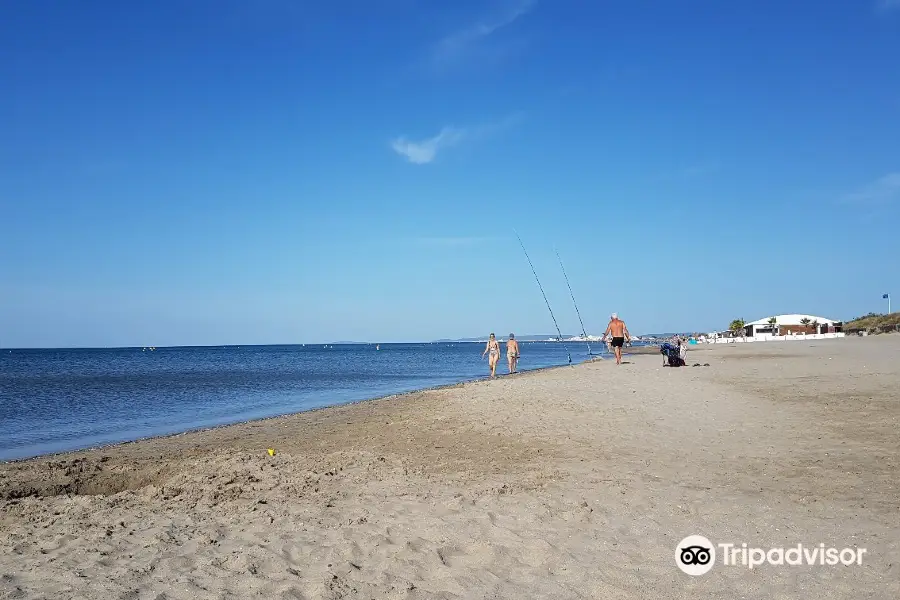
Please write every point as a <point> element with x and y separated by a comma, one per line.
<point>881,191</point>
<point>458,43</point>
<point>425,151</point>
<point>888,4</point>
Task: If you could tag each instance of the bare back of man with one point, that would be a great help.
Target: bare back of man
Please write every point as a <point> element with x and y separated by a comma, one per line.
<point>618,331</point>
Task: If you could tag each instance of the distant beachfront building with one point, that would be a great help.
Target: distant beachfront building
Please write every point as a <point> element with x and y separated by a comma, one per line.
<point>780,328</point>
<point>792,325</point>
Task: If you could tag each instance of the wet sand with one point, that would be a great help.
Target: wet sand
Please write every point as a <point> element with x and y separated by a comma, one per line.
<point>576,482</point>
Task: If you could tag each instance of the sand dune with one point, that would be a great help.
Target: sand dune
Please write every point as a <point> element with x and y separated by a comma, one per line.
<point>576,482</point>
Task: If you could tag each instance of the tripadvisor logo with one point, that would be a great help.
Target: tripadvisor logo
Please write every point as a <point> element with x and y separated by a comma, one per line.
<point>696,555</point>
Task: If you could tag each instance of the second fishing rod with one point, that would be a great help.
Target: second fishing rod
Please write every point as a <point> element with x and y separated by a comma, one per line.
<point>558,332</point>
<point>577,312</point>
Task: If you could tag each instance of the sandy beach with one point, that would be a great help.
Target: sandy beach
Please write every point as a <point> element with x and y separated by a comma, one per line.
<point>575,482</point>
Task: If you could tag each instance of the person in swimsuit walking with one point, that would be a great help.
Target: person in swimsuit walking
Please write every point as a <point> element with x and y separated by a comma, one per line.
<point>512,352</point>
<point>493,349</point>
<point>619,333</point>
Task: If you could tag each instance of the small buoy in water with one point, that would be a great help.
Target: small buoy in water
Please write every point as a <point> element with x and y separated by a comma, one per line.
<point>271,451</point>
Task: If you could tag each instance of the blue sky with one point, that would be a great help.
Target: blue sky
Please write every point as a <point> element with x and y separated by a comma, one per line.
<point>278,171</point>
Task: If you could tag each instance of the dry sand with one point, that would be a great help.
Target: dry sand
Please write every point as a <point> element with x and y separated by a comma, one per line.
<point>568,483</point>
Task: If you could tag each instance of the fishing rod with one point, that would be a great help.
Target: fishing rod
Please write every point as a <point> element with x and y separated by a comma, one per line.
<point>577,312</point>
<point>558,332</point>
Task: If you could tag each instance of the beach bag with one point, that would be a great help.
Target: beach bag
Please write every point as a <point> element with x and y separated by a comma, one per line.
<point>672,354</point>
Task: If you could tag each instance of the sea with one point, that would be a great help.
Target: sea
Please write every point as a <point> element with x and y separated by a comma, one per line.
<point>60,400</point>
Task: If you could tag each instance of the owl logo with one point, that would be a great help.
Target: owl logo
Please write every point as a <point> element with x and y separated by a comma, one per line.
<point>695,555</point>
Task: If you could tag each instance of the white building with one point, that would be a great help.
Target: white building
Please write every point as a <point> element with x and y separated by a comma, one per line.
<point>782,328</point>
<point>791,324</point>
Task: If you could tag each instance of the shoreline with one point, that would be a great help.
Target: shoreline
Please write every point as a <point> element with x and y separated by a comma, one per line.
<point>509,487</point>
<point>198,430</point>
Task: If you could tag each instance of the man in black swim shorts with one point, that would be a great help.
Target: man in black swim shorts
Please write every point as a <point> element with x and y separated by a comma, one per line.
<point>619,333</point>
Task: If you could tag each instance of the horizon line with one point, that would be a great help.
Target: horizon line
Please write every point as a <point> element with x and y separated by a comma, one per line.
<point>544,337</point>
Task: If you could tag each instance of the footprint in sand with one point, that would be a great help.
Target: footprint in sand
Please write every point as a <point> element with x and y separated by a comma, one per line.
<point>448,554</point>
<point>61,544</point>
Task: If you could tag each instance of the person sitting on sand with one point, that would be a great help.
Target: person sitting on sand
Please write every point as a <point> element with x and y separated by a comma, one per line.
<point>493,347</point>
<point>619,333</point>
<point>512,353</point>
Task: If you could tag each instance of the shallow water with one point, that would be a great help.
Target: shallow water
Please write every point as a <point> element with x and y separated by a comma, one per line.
<point>60,400</point>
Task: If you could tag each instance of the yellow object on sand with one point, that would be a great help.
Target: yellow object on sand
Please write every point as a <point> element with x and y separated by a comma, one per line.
<point>271,451</point>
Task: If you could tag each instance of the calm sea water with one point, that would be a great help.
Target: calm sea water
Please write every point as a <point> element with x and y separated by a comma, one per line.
<point>59,400</point>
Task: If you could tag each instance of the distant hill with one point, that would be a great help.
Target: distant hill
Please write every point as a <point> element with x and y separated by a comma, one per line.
<point>874,323</point>
<point>521,338</point>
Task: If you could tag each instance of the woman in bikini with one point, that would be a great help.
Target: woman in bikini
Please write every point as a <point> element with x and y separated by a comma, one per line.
<point>493,347</point>
<point>512,353</point>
